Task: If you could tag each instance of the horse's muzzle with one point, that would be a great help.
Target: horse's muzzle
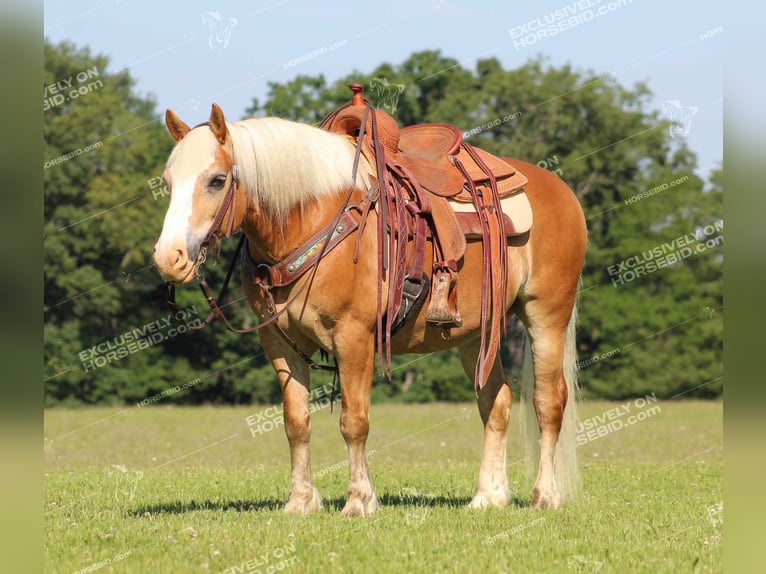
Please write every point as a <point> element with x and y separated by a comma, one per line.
<point>174,265</point>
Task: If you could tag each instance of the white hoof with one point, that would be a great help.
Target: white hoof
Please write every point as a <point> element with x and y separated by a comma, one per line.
<point>497,498</point>
<point>359,507</point>
<point>304,504</point>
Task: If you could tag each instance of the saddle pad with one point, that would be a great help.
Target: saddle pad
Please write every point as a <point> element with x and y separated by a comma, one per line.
<point>515,206</point>
<point>505,186</point>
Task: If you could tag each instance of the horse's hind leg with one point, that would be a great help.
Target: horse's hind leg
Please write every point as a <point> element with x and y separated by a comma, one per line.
<point>547,338</point>
<point>293,376</point>
<point>494,403</point>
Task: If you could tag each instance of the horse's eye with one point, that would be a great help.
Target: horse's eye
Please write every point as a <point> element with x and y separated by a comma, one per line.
<point>217,182</point>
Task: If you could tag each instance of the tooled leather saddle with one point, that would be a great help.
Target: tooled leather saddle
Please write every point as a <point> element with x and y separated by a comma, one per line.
<point>420,171</point>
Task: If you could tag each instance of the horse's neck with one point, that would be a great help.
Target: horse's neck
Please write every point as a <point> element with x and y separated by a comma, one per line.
<point>269,242</point>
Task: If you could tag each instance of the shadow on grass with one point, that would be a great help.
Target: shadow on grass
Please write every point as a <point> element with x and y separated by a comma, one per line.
<point>331,504</point>
<point>431,501</point>
<point>178,507</point>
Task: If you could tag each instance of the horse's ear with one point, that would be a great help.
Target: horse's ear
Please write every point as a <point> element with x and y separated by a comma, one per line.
<point>218,124</point>
<point>176,126</point>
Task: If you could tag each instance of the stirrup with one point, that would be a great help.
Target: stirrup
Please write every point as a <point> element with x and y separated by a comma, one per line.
<point>442,310</point>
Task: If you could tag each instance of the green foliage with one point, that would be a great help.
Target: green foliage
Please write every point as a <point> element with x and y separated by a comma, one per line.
<point>660,332</point>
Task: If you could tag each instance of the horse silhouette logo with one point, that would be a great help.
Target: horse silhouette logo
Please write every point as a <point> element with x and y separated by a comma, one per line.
<point>609,78</point>
<point>219,29</point>
<point>679,116</point>
<point>385,95</point>
<point>414,518</point>
<point>582,564</point>
<point>125,481</point>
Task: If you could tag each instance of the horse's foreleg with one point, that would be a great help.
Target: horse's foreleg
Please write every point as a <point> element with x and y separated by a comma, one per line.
<point>494,403</point>
<point>293,376</point>
<point>356,363</point>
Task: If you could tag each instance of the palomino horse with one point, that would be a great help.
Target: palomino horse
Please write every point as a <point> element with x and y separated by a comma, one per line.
<point>291,180</point>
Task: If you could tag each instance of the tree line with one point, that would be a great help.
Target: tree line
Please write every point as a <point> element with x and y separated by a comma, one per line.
<point>651,298</point>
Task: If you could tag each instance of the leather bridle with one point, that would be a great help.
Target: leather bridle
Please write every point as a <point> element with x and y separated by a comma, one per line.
<point>229,204</point>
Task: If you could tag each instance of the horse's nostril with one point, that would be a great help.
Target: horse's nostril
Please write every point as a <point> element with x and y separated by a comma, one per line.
<point>179,256</point>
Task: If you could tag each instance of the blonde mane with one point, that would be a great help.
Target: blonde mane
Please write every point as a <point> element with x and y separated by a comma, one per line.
<point>284,164</point>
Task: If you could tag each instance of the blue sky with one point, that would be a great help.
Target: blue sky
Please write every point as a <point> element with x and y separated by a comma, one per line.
<point>175,55</point>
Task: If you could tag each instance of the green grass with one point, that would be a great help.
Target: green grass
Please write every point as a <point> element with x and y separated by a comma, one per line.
<point>209,497</point>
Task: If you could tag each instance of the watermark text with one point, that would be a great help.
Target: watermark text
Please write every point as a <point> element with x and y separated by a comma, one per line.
<point>617,418</point>
<point>74,153</point>
<point>666,254</point>
<point>562,19</point>
<point>272,417</point>
<point>489,125</point>
<point>655,190</point>
<point>314,54</point>
<point>277,560</point>
<point>71,88</point>
<point>140,338</point>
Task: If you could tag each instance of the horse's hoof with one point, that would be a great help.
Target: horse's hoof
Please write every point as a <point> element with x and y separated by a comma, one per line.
<point>297,505</point>
<point>541,501</point>
<point>357,507</point>
<point>485,500</point>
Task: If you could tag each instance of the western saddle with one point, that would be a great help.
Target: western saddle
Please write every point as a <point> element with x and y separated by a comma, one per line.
<point>417,170</point>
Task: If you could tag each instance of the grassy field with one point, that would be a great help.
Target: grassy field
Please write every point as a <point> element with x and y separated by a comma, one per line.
<point>164,489</point>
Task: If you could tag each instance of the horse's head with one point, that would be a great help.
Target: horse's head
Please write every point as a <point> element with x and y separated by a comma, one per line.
<point>198,175</point>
